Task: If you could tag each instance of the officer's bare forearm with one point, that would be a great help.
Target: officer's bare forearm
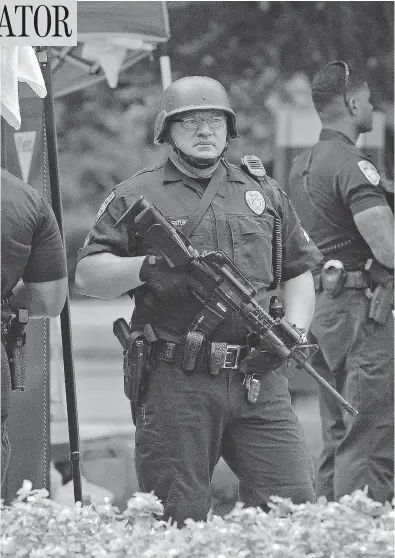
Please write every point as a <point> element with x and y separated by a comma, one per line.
<point>105,275</point>
<point>42,300</point>
<point>299,299</point>
<point>376,225</point>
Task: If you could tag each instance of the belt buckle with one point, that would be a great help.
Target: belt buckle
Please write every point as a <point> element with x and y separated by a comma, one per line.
<point>232,357</point>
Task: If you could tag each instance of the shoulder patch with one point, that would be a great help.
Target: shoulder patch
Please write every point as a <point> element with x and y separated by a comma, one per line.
<point>369,171</point>
<point>104,205</point>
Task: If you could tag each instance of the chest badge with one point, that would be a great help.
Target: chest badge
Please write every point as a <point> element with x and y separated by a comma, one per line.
<point>370,172</point>
<point>255,201</point>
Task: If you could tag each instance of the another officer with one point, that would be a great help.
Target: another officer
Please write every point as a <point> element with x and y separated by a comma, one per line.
<point>33,272</point>
<point>187,421</point>
<point>350,221</point>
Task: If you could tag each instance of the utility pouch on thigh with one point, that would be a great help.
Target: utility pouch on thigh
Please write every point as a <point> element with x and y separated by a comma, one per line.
<point>333,278</point>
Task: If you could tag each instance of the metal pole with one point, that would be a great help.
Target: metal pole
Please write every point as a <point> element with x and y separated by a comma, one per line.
<point>165,68</point>
<point>65,322</point>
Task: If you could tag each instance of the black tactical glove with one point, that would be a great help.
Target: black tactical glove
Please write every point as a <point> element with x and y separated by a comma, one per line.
<point>171,285</point>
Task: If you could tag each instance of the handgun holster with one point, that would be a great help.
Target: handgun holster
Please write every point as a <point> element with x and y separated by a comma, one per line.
<point>133,366</point>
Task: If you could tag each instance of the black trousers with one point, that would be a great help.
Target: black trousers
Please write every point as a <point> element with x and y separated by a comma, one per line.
<point>187,422</point>
<point>357,357</point>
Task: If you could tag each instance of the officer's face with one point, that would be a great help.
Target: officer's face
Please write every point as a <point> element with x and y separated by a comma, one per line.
<point>364,109</point>
<point>200,134</point>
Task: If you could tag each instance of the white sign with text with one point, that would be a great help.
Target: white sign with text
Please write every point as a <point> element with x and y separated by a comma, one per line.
<point>37,23</point>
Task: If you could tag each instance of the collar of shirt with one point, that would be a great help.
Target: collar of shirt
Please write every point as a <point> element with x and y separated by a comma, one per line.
<point>328,134</point>
<point>172,174</point>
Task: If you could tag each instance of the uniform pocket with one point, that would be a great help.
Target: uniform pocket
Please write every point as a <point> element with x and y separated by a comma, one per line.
<point>252,239</point>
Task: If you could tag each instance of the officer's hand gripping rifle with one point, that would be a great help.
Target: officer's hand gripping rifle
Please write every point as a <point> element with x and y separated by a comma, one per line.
<point>227,290</point>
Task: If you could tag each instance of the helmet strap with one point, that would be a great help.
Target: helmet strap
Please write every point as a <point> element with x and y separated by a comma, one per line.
<point>194,167</point>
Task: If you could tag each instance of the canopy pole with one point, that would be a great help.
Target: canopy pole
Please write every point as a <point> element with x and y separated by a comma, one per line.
<point>65,322</point>
<point>165,67</point>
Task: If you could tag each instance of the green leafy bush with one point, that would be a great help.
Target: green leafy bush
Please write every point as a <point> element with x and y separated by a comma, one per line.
<point>34,526</point>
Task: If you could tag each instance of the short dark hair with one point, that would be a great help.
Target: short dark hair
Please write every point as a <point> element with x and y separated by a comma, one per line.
<point>331,82</point>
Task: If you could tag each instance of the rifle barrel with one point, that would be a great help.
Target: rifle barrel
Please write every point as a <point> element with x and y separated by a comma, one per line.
<point>306,366</point>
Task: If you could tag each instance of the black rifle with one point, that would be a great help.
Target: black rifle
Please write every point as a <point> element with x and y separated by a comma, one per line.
<point>227,290</point>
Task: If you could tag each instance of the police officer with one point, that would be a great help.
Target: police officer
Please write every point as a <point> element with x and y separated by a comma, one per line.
<point>187,421</point>
<point>33,272</point>
<point>350,221</point>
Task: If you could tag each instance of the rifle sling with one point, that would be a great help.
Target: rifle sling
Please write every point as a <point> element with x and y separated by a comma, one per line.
<point>205,201</point>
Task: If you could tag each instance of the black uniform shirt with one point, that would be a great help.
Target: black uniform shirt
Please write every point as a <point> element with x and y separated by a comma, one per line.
<point>230,224</point>
<point>31,244</point>
<point>341,181</point>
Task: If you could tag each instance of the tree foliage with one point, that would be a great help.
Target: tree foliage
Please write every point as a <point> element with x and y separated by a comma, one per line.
<point>231,40</point>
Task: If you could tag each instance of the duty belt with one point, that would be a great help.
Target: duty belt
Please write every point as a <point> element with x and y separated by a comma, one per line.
<point>225,356</point>
<point>354,280</point>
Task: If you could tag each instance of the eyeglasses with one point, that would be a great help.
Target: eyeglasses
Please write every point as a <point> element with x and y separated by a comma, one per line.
<point>346,76</point>
<point>214,122</point>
